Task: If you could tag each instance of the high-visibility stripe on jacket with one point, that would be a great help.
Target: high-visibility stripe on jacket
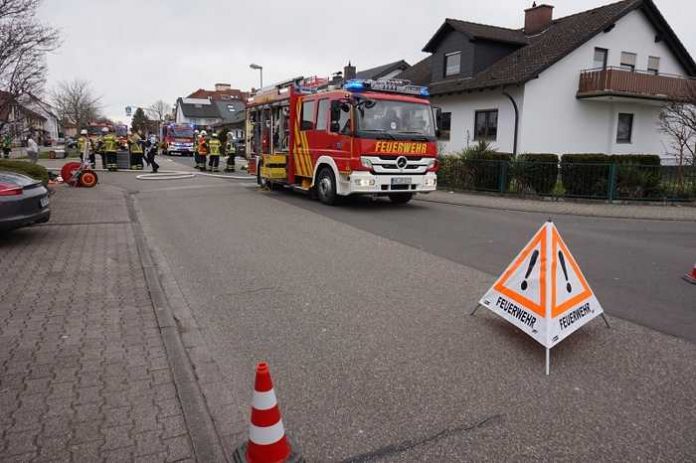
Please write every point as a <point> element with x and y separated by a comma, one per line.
<point>214,146</point>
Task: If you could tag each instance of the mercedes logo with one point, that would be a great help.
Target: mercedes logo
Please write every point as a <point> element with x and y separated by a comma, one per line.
<point>401,162</point>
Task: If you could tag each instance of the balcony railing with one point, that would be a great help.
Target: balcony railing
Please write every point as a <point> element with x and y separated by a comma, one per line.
<point>614,81</point>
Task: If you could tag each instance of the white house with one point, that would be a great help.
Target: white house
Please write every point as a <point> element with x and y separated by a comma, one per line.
<point>592,82</point>
<point>51,124</point>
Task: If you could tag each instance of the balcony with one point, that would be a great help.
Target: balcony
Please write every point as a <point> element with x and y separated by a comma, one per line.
<point>613,82</point>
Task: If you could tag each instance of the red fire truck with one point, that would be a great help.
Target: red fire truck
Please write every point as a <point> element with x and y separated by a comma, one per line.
<point>177,138</point>
<point>361,138</point>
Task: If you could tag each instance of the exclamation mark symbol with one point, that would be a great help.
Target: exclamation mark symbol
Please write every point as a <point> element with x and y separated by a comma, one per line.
<point>569,288</point>
<point>532,262</point>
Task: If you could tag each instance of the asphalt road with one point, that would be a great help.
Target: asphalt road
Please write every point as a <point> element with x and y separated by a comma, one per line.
<point>362,312</point>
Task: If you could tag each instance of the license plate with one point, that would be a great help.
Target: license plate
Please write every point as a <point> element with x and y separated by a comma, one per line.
<point>44,201</point>
<point>401,181</point>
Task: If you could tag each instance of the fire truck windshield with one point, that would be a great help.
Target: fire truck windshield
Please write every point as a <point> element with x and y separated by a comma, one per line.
<point>395,119</point>
<point>184,131</point>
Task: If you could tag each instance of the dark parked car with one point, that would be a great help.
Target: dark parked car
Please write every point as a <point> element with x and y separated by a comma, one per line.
<point>23,201</point>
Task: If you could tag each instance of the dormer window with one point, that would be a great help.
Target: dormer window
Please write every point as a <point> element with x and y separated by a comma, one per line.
<point>453,63</point>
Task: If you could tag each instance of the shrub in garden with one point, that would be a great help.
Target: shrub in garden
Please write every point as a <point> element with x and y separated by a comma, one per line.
<point>638,176</point>
<point>30,170</point>
<point>535,172</point>
<point>486,166</point>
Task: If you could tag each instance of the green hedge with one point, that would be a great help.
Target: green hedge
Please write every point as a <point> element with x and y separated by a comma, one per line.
<point>585,175</point>
<point>31,170</point>
<point>535,173</point>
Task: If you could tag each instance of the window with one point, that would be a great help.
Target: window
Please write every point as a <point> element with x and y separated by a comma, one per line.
<point>445,125</point>
<point>625,128</point>
<point>653,65</point>
<point>453,63</point>
<point>322,114</point>
<point>628,61</point>
<point>486,125</point>
<point>308,115</point>
<point>600,58</point>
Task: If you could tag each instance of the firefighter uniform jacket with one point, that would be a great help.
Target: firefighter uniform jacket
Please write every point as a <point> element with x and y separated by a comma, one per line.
<point>109,143</point>
<point>81,143</point>
<point>214,146</point>
<point>135,146</point>
<point>202,146</point>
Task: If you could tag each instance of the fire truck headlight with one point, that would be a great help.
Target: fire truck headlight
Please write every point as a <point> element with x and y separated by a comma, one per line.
<point>366,163</point>
<point>430,181</point>
<point>364,182</point>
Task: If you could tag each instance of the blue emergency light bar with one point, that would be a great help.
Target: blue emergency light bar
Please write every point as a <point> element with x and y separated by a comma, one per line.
<point>389,86</point>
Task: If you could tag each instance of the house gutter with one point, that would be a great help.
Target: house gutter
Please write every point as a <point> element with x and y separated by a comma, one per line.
<point>517,121</point>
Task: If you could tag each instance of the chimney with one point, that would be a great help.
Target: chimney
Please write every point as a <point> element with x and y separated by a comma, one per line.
<point>349,72</point>
<point>222,87</point>
<point>537,18</point>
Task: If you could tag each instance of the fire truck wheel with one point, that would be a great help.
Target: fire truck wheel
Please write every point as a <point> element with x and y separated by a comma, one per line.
<point>400,198</point>
<point>326,186</point>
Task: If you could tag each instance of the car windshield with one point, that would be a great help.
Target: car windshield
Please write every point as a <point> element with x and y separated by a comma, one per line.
<point>396,118</point>
<point>182,132</point>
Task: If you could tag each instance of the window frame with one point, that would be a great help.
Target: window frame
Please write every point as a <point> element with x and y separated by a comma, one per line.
<point>655,70</point>
<point>627,66</point>
<point>629,140</point>
<point>606,57</point>
<point>313,121</point>
<point>445,133</point>
<point>447,57</point>
<point>486,113</point>
<point>327,117</point>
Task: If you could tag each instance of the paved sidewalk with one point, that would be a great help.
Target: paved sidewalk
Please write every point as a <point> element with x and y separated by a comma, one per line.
<point>84,375</point>
<point>591,209</point>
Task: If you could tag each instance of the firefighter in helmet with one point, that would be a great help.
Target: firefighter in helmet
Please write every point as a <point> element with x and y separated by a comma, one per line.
<point>202,149</point>
<point>135,146</point>
<point>214,146</point>
<point>84,147</point>
<point>109,146</point>
<point>231,152</point>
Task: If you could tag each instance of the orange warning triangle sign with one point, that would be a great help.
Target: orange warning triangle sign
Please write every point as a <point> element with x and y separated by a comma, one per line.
<point>543,292</point>
<point>524,281</point>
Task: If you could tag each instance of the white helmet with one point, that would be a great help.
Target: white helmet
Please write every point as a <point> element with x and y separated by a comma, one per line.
<point>204,133</point>
<point>83,132</point>
<point>105,130</point>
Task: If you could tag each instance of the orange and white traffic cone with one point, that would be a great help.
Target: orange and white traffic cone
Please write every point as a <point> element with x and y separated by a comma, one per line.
<point>267,440</point>
<point>691,277</point>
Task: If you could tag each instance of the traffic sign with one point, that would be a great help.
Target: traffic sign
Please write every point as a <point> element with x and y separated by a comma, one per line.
<point>543,291</point>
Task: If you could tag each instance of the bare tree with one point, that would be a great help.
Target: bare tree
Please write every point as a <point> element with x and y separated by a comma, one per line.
<point>24,42</point>
<point>678,121</point>
<point>159,111</point>
<point>76,103</point>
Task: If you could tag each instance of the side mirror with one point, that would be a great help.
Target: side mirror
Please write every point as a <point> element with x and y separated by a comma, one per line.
<point>437,115</point>
<point>336,108</point>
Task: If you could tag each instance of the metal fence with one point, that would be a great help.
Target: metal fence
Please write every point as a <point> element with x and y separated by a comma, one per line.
<point>571,180</point>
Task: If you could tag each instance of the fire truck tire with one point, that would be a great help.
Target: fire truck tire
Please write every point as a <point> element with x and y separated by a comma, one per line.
<point>326,186</point>
<point>400,198</point>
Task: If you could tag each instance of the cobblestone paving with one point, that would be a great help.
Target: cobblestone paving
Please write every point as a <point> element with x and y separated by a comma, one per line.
<point>83,371</point>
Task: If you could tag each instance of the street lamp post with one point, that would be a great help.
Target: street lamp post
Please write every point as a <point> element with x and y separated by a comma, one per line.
<point>260,68</point>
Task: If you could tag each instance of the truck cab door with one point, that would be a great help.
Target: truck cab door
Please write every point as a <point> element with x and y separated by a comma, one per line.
<point>339,136</point>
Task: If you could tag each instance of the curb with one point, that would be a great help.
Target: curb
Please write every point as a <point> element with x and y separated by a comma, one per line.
<point>541,209</point>
<point>206,442</point>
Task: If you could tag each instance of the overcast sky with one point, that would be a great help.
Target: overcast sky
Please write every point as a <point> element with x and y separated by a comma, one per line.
<point>136,52</point>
